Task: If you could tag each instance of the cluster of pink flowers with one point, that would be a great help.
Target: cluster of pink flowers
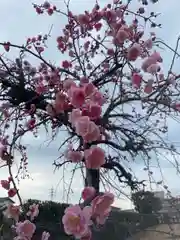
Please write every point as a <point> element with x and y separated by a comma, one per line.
<point>94,157</point>
<point>77,220</point>
<point>24,229</point>
<point>6,185</point>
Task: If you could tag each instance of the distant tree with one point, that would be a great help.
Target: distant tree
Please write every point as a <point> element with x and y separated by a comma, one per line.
<point>145,202</point>
<point>49,218</point>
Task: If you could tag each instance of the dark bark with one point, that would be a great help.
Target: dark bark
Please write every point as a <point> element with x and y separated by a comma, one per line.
<point>92,178</point>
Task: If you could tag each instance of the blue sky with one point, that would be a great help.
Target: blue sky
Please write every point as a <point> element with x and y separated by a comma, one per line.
<point>19,21</point>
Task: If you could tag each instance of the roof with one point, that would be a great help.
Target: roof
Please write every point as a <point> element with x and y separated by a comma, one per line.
<point>5,199</point>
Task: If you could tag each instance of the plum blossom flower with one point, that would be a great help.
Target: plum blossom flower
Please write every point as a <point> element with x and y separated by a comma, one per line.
<point>74,156</point>
<point>157,56</point>
<point>60,102</point>
<point>122,35</point>
<point>12,211</point>
<point>33,211</point>
<point>94,110</point>
<point>82,125</point>
<point>84,80</point>
<point>153,68</point>
<point>93,133</point>
<point>89,88</point>
<point>68,83</point>
<point>134,52</point>
<point>136,80</point>
<point>149,86</point>
<point>98,98</point>
<point>77,221</point>
<point>74,116</point>
<point>83,19</point>
<point>94,157</point>
<point>5,184</point>
<point>77,96</point>
<point>87,129</point>
<point>147,63</point>
<point>88,192</point>
<point>66,64</point>
<point>87,236</point>
<point>25,230</point>
<point>101,207</point>
<point>148,43</point>
<point>41,88</point>
<point>153,59</point>
<point>12,192</point>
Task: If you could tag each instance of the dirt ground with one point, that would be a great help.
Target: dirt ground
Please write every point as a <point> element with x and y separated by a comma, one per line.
<point>161,232</point>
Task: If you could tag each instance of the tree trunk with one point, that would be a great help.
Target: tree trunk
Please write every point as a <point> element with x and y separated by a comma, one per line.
<point>92,178</point>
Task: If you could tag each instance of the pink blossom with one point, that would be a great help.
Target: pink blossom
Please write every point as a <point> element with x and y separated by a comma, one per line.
<point>148,62</point>
<point>101,218</point>
<point>136,80</point>
<point>102,202</point>
<point>89,89</point>
<point>87,236</point>
<point>83,19</point>
<point>134,52</point>
<point>71,53</point>
<point>93,133</point>
<point>88,192</point>
<point>12,211</point>
<point>60,102</point>
<point>153,68</point>
<point>25,229</point>
<point>157,57</point>
<point>33,211</point>
<point>12,192</point>
<point>84,80</point>
<point>41,88</point>
<point>94,111</point>
<point>77,221</point>
<point>77,96</point>
<point>74,156</point>
<point>149,86</point>
<point>176,106</point>
<point>122,35</point>
<point>66,64</point>
<point>68,83</point>
<point>110,51</point>
<point>74,115</point>
<point>82,125</point>
<point>31,123</point>
<point>98,98</point>
<point>94,157</point>
<point>101,207</point>
<point>148,89</point>
<point>5,184</point>
<point>148,44</point>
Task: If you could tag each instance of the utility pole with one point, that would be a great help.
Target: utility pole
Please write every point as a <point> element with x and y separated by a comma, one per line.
<point>52,194</point>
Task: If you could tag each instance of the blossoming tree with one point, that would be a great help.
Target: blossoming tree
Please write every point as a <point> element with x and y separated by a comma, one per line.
<point>107,93</point>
